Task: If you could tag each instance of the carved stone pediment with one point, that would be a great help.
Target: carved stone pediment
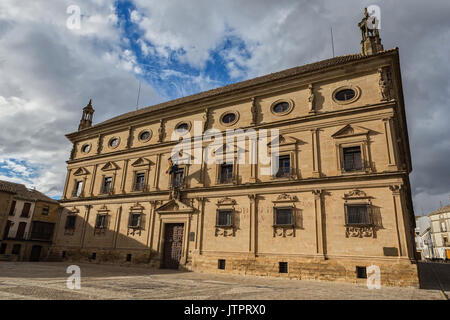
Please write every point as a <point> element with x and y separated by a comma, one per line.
<point>137,207</point>
<point>356,194</point>
<point>110,166</point>
<point>284,197</point>
<point>103,209</point>
<point>350,131</point>
<point>141,162</point>
<point>175,206</point>
<point>226,201</point>
<point>81,172</point>
<point>283,140</point>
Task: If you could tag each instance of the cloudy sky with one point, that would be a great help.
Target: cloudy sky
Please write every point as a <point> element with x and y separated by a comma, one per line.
<point>49,69</point>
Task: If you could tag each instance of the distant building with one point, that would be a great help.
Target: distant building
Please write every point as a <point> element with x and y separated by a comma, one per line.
<point>30,221</point>
<point>424,242</point>
<point>6,199</point>
<point>440,231</point>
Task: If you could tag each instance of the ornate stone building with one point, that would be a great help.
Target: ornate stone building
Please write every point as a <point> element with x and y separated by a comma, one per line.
<point>339,202</point>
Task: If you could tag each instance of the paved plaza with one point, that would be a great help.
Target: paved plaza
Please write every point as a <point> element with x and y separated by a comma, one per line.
<point>39,280</point>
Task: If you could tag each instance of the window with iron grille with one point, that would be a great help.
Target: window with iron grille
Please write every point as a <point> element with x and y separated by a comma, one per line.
<point>226,173</point>
<point>284,166</point>
<point>283,217</point>
<point>178,178</point>
<point>139,183</point>
<point>135,220</point>
<point>358,214</point>
<point>70,222</point>
<point>100,222</point>
<point>221,264</point>
<point>224,218</point>
<point>282,267</point>
<point>352,159</point>
<point>129,257</point>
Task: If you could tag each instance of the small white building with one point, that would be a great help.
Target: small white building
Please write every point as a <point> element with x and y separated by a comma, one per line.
<point>440,232</point>
<point>424,241</point>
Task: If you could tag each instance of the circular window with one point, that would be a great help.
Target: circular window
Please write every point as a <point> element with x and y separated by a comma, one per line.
<point>86,148</point>
<point>145,135</point>
<point>229,118</point>
<point>345,94</point>
<point>182,127</point>
<point>281,107</point>
<point>114,142</point>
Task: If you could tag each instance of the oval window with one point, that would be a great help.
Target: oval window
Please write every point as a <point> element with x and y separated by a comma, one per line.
<point>114,142</point>
<point>86,148</point>
<point>281,107</point>
<point>182,127</point>
<point>144,136</point>
<point>345,95</point>
<point>229,118</point>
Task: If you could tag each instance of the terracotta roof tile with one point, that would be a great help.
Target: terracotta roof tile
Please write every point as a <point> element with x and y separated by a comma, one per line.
<point>23,193</point>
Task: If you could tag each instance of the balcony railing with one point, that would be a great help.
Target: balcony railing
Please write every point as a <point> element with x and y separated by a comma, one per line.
<point>31,236</point>
<point>106,190</point>
<point>139,187</point>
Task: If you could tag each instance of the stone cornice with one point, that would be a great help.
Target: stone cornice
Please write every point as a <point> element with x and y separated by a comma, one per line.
<point>299,120</point>
<point>255,188</point>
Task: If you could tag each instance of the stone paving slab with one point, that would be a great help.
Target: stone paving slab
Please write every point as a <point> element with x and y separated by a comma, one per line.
<point>41,280</point>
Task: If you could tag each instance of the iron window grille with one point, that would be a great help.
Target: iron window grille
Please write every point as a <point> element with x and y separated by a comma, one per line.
<point>282,267</point>
<point>358,215</point>
<point>106,187</point>
<point>70,222</point>
<point>224,218</point>
<point>100,222</point>
<point>135,220</point>
<point>284,167</point>
<point>140,182</point>
<point>226,173</point>
<point>221,264</point>
<point>77,189</point>
<point>283,217</point>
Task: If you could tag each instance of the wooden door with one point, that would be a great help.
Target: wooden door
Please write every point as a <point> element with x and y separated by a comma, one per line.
<point>173,245</point>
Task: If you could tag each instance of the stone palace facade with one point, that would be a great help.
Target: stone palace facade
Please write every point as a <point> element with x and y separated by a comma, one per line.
<point>339,202</point>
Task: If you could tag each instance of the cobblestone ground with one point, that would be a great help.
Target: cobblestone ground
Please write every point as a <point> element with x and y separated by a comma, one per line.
<point>28,280</point>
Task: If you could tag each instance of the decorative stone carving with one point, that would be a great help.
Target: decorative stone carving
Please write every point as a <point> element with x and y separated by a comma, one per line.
<point>311,99</point>
<point>360,231</point>
<point>284,197</point>
<point>226,201</point>
<point>356,193</point>
<point>225,231</point>
<point>284,232</point>
<point>161,130</point>
<point>385,83</point>
<point>206,119</point>
<point>254,111</point>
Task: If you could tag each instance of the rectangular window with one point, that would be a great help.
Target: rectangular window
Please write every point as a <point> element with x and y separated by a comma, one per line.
<point>352,159</point>
<point>94,255</point>
<point>361,272</point>
<point>221,264</point>
<point>283,217</point>
<point>100,222</point>
<point>129,257</point>
<point>224,218</point>
<point>178,178</point>
<point>13,208</point>
<point>443,227</point>
<point>70,222</point>
<point>16,249</point>
<point>3,247</point>
<point>282,267</point>
<point>77,189</point>
<point>107,182</point>
<point>135,220</point>
<point>45,210</point>
<point>42,230</point>
<point>26,210</point>
<point>139,183</point>
<point>358,215</point>
<point>226,173</point>
<point>284,166</point>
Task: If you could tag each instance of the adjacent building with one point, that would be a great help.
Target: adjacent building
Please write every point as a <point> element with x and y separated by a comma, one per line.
<point>424,241</point>
<point>6,199</point>
<point>338,202</point>
<point>440,232</point>
<point>28,230</point>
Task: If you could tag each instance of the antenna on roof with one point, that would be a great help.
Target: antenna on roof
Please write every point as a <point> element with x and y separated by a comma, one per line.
<point>139,93</point>
<point>332,42</point>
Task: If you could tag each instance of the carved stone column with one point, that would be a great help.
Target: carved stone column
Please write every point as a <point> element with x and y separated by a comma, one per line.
<point>157,172</point>
<point>315,152</point>
<point>161,130</point>
<point>254,111</point>
<point>199,238</point>
<point>392,163</point>
<point>130,136</point>
<point>124,176</point>
<point>151,223</point>
<point>253,224</point>
<point>66,183</point>
<point>311,99</point>
<point>99,143</point>
<point>117,227</point>
<point>398,219</point>
<point>385,83</point>
<point>94,174</point>
<point>85,223</point>
<point>319,230</point>
<point>206,119</point>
